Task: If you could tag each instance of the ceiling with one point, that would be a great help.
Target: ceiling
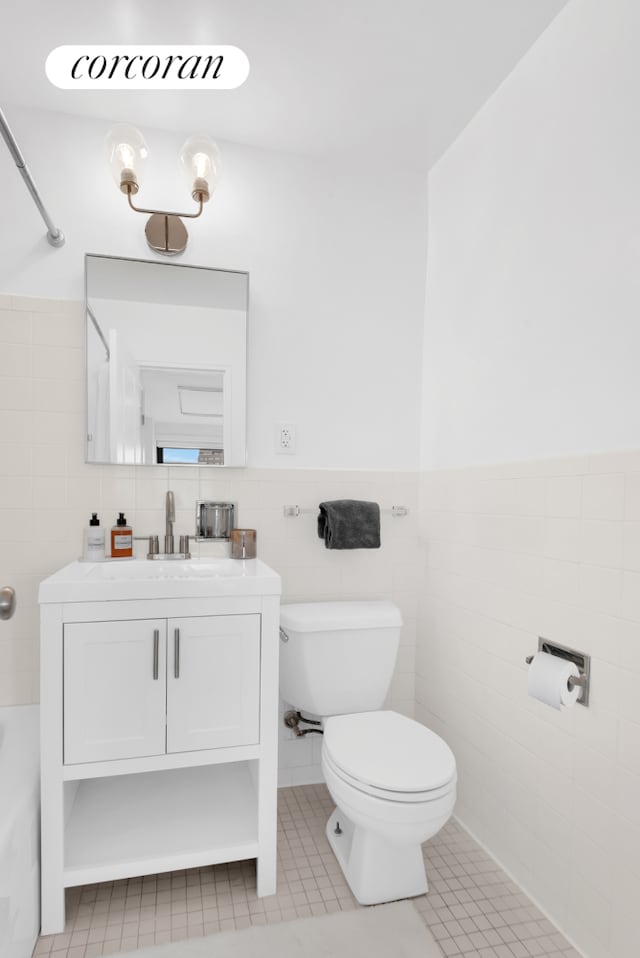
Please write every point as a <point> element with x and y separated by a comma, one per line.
<point>391,78</point>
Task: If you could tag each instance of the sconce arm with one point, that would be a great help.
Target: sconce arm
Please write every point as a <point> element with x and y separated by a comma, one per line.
<point>191,216</point>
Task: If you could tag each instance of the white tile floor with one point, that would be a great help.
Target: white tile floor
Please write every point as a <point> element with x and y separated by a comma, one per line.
<point>472,909</point>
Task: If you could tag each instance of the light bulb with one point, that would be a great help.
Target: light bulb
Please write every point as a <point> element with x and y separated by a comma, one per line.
<point>202,166</point>
<point>200,160</point>
<point>127,154</point>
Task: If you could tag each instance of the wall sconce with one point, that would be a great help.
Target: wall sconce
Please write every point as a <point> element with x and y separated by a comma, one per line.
<point>200,160</point>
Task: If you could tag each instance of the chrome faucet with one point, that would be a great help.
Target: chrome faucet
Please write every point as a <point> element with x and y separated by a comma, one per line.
<point>170,514</point>
<point>154,545</point>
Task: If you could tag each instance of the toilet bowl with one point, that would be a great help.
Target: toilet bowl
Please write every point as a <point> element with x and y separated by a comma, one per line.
<point>394,785</point>
<point>393,780</point>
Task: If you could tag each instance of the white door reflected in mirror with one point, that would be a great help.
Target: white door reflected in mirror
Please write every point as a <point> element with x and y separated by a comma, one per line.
<point>166,363</point>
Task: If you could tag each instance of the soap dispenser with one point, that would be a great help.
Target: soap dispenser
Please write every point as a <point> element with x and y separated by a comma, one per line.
<point>94,540</point>
<point>121,539</point>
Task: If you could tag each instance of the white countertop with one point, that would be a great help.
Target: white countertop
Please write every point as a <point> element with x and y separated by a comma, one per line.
<point>158,579</point>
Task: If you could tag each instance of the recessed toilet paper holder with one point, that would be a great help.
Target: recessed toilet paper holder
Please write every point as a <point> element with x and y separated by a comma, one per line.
<point>580,659</point>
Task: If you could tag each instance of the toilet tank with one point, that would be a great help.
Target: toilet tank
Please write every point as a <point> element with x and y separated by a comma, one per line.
<point>337,657</point>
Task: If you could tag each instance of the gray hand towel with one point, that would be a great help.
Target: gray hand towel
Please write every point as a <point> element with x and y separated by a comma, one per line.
<point>349,524</point>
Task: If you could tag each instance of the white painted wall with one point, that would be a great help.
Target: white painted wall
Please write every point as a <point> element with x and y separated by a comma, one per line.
<point>336,263</point>
<point>532,338</point>
<point>531,351</point>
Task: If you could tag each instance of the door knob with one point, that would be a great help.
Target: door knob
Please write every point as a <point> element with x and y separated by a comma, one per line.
<point>7,602</point>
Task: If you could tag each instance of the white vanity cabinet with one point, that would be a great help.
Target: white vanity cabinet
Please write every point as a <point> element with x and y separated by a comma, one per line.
<point>150,686</point>
<point>159,705</point>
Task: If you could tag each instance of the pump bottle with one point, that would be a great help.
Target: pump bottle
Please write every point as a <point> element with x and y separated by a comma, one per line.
<point>94,540</point>
<point>121,539</point>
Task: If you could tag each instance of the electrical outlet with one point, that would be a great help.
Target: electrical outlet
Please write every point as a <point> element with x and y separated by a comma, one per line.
<point>286,439</point>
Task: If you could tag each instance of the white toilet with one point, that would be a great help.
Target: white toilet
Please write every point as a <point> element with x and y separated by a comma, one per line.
<point>392,779</point>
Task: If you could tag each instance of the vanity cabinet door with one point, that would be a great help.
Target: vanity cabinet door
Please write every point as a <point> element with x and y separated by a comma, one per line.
<point>213,682</point>
<point>114,690</point>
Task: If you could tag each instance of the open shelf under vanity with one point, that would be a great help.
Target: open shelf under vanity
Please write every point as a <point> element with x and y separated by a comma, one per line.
<point>152,822</point>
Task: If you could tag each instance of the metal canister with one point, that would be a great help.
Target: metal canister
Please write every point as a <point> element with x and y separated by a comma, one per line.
<point>214,520</point>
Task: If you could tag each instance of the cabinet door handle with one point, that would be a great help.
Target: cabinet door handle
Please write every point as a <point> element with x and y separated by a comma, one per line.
<point>156,648</point>
<point>176,653</point>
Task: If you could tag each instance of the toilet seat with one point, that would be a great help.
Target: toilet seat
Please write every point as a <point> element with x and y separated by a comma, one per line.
<point>389,756</point>
<point>388,795</point>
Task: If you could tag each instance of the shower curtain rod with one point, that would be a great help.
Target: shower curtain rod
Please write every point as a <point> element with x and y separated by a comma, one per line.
<point>96,326</point>
<point>55,236</point>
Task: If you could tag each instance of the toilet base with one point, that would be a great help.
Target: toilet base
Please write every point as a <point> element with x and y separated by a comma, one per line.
<point>376,870</point>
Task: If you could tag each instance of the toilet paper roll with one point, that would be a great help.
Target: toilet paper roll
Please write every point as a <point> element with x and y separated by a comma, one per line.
<point>548,678</point>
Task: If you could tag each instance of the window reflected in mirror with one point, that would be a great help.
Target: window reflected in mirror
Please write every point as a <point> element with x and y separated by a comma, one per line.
<point>166,363</point>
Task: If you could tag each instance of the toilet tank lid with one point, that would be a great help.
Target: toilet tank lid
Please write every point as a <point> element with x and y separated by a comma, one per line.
<point>333,616</point>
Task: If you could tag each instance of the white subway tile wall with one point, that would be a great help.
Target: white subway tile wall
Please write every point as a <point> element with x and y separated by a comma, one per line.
<point>47,493</point>
<point>511,553</point>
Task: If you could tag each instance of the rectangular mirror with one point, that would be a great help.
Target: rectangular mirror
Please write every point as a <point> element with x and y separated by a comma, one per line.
<point>166,352</point>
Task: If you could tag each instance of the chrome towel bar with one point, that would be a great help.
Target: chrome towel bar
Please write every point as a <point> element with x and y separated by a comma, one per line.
<point>291,512</point>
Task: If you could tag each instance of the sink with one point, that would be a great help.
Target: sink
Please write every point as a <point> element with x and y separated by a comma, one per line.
<point>169,569</point>
<point>161,578</point>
